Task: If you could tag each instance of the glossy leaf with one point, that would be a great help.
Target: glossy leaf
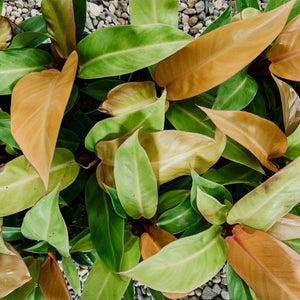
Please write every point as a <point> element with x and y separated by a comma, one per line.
<point>246,13</point>
<point>171,199</point>
<point>103,283</point>
<point>34,24</point>
<point>135,180</point>
<point>172,153</point>
<point>3,248</point>
<point>233,173</point>
<point>38,104</point>
<point>13,271</point>
<point>5,33</point>
<point>179,218</point>
<point>36,294</point>
<point>242,4</point>
<point>41,248</point>
<point>60,22</point>
<point>186,73</point>
<point>270,201</point>
<point>18,176</point>
<point>5,134</point>
<point>260,136</point>
<point>294,244</point>
<point>293,150</point>
<point>71,273</point>
<point>150,117</point>
<point>286,228</point>
<point>107,228</point>
<point>275,3</point>
<point>290,106</point>
<point>237,92</point>
<point>22,292</point>
<point>184,116</point>
<point>141,46</point>
<point>52,281</point>
<point>28,40</point>
<point>252,254</point>
<point>45,222</point>
<point>19,62</point>
<point>79,9</point>
<point>163,12</point>
<point>12,233</point>
<point>115,201</point>
<point>284,55</point>
<point>127,97</point>
<point>176,267</point>
<point>85,244</point>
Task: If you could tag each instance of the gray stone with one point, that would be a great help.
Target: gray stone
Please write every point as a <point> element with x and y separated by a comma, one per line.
<point>216,13</point>
<point>193,21</point>
<point>225,295</point>
<point>202,16</point>
<point>198,292</point>
<point>94,10</point>
<point>95,22</point>
<point>216,288</point>
<point>9,10</point>
<point>24,10</point>
<point>208,293</point>
<point>106,3</point>
<point>218,4</point>
<point>191,3</point>
<point>89,24</point>
<point>19,3</point>
<point>38,3</point>
<point>112,8</point>
<point>200,6</point>
<point>182,7</point>
<point>210,8</point>
<point>186,27</point>
<point>185,19</point>
<point>18,20</point>
<point>15,14</point>
<point>208,22</point>
<point>197,28</point>
<point>190,11</point>
<point>116,3</point>
<point>124,15</point>
<point>30,4</point>
<point>224,281</point>
<point>102,16</point>
<point>123,5</point>
<point>217,279</point>
<point>33,12</point>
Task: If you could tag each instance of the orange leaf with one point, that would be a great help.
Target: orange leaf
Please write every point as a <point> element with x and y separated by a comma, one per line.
<point>268,266</point>
<point>151,242</point>
<point>260,136</point>
<point>38,103</point>
<point>52,281</point>
<point>216,56</point>
<point>13,271</point>
<point>285,54</point>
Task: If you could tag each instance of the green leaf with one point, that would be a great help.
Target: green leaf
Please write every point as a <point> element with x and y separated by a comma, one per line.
<point>19,62</point>
<point>22,292</point>
<point>129,294</point>
<point>236,92</point>
<point>242,4</point>
<point>293,150</point>
<point>163,12</point>
<point>211,209</point>
<point>270,201</point>
<point>234,173</point>
<point>36,294</point>
<point>178,218</point>
<point>3,248</point>
<point>71,273</point>
<point>237,288</point>
<point>85,244</point>
<point>258,105</point>
<point>68,139</point>
<point>12,233</point>
<point>18,176</point>
<point>103,283</point>
<point>157,295</point>
<point>1,5</point>
<point>41,248</point>
<point>135,180</point>
<point>222,20</point>
<point>141,46</point>
<point>170,199</point>
<point>294,244</point>
<point>181,261</point>
<point>115,201</point>
<point>150,117</point>
<point>79,8</point>
<point>34,24</point>
<point>59,17</point>
<point>5,134</point>
<point>28,40</point>
<point>82,259</point>
<point>106,227</point>
<point>272,4</point>
<point>99,89</point>
<point>72,99</point>
<point>45,222</point>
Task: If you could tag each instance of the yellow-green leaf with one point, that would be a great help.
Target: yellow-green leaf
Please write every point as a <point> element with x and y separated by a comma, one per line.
<point>5,33</point>
<point>260,136</point>
<point>214,57</point>
<point>38,104</point>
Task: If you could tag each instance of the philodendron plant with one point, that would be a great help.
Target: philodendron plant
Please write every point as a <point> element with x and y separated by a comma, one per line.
<point>150,155</point>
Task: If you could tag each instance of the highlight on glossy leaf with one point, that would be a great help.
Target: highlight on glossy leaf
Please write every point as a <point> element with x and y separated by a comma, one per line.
<point>38,103</point>
<point>270,201</point>
<point>285,53</point>
<point>266,264</point>
<point>188,73</point>
<point>260,136</point>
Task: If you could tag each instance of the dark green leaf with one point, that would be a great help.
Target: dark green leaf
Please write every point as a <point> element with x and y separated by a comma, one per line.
<point>79,122</point>
<point>28,40</point>
<point>12,233</point>
<point>72,99</point>
<point>257,105</point>
<point>71,273</point>
<point>294,244</point>
<point>36,294</point>
<point>68,139</point>
<point>5,135</point>
<point>129,294</point>
<point>242,4</point>
<point>272,4</point>
<point>82,259</point>
<point>79,8</point>
<point>41,248</point>
<point>115,201</point>
<point>157,295</point>
<point>196,228</point>
<point>107,228</point>
<point>34,24</point>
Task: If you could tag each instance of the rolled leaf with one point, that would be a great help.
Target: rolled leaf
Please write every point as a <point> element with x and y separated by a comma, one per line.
<point>18,176</point>
<point>208,61</point>
<point>151,118</point>
<point>59,17</point>
<point>52,281</point>
<point>270,201</point>
<point>45,222</point>
<point>19,62</point>
<point>5,33</point>
<point>290,106</point>
<point>285,53</point>
<point>71,273</point>
<point>293,150</point>
<point>13,271</point>
<point>142,46</point>
<point>286,228</point>
<point>267,265</point>
<point>128,97</point>
<point>172,153</point>
<point>175,269</point>
<point>38,105</point>
<point>260,136</point>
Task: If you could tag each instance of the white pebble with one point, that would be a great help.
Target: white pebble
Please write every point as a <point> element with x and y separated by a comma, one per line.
<point>33,12</point>
<point>95,10</point>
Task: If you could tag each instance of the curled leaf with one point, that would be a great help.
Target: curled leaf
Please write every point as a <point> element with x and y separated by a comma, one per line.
<point>5,33</point>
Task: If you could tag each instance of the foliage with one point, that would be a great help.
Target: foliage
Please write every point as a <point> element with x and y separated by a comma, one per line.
<point>149,155</point>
